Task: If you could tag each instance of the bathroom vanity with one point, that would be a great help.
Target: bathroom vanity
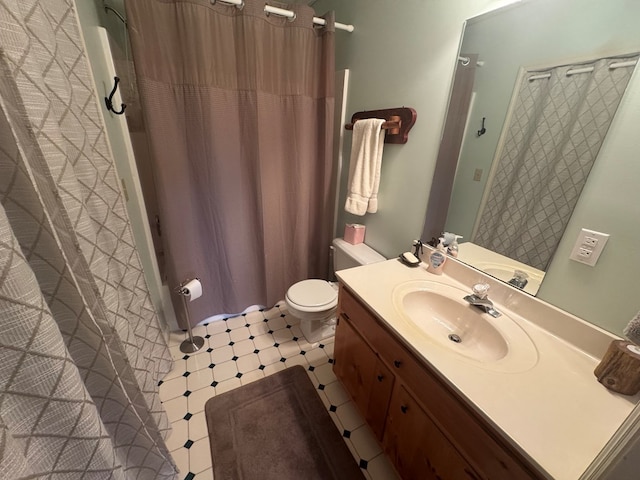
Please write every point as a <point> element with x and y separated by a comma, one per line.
<point>512,399</point>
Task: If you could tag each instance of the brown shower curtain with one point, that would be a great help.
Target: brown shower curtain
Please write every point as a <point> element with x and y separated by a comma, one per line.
<point>239,108</point>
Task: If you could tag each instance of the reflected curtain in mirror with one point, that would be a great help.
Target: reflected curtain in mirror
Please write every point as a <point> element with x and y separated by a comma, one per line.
<point>239,110</point>
<point>558,121</point>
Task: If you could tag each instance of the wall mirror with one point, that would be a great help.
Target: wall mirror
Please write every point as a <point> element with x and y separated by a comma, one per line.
<point>535,34</point>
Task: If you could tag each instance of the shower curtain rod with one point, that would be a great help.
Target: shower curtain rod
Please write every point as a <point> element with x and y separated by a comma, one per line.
<point>267,8</point>
<point>287,13</point>
<point>574,71</point>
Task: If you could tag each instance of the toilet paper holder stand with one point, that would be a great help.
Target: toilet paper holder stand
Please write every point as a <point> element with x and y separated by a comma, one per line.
<point>191,344</point>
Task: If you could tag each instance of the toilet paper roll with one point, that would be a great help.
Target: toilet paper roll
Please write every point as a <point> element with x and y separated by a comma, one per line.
<point>192,289</point>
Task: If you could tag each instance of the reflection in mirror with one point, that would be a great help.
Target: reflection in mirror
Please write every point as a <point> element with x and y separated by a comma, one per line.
<point>533,170</point>
<point>557,121</point>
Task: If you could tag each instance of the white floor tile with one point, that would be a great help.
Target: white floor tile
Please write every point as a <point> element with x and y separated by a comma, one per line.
<point>221,354</point>
<point>218,326</point>
<point>198,360</point>
<point>257,329</point>
<point>273,312</point>
<point>172,388</point>
<point>199,379</point>
<point>336,394</point>
<point>239,334</point>
<point>181,457</point>
<point>243,347</point>
<point>283,335</point>
<point>252,376</point>
<point>263,341</point>
<point>199,331</point>
<point>219,339</point>
<point>200,456</point>
<point>227,385</point>
<point>269,355</point>
<point>205,475</point>
<point>328,349</point>
<point>175,352</point>
<point>316,356</point>
<point>247,363</point>
<point>277,323</point>
<point>365,443</point>
<point>273,368</point>
<point>324,373</point>
<point>236,322</point>
<point>349,416</point>
<point>179,367</point>
<point>380,468</point>
<point>296,360</point>
<point>289,349</point>
<point>179,434</point>
<point>254,317</point>
<point>225,371</point>
<point>176,408</point>
<point>197,427</point>
<point>197,399</point>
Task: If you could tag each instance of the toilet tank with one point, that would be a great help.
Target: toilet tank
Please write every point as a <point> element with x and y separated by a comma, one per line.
<point>346,255</point>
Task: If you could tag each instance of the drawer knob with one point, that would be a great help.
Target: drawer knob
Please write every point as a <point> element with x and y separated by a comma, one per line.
<point>397,363</point>
<point>380,378</point>
<point>404,408</point>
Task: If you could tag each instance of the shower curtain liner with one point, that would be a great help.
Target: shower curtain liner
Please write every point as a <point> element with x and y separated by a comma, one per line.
<point>81,348</point>
<point>555,131</point>
<point>239,110</point>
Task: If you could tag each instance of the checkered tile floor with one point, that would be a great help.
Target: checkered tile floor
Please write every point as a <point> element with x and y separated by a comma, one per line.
<point>242,349</point>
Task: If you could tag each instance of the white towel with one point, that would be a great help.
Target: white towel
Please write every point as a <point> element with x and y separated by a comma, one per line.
<point>364,166</point>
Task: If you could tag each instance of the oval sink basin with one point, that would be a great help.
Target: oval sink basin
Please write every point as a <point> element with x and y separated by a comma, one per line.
<point>440,313</point>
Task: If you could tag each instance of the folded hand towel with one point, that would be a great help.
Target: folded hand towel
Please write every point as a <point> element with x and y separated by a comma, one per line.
<point>364,166</point>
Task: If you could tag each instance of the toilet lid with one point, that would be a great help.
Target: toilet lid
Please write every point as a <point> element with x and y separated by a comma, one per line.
<point>312,293</point>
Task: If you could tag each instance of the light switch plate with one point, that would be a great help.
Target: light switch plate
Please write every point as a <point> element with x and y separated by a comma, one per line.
<point>588,246</point>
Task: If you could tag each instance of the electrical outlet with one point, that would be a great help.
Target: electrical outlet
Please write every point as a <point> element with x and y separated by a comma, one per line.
<point>590,241</point>
<point>477,175</point>
<point>588,246</point>
<point>584,252</point>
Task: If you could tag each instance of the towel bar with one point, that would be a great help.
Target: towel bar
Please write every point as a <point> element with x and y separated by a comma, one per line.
<point>398,122</point>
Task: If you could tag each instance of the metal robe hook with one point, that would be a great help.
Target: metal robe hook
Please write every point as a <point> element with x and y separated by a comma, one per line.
<point>482,130</point>
<point>109,100</point>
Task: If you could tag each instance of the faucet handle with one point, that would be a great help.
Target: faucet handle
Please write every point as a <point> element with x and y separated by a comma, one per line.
<point>481,290</point>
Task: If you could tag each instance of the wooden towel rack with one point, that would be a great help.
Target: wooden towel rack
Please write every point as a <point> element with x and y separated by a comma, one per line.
<point>398,122</point>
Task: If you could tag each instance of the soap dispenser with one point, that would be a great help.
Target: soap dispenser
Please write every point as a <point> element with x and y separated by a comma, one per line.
<point>437,259</point>
<point>453,248</point>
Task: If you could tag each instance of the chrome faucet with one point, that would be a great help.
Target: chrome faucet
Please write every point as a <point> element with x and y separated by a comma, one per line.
<point>480,299</point>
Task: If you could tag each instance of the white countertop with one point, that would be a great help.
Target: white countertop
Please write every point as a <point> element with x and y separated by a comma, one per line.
<point>556,412</point>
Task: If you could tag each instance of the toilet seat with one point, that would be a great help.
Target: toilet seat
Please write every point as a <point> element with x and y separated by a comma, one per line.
<point>312,295</point>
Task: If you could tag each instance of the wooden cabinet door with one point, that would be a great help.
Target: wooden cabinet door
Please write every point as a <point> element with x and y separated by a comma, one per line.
<point>355,364</point>
<point>381,391</point>
<point>416,446</point>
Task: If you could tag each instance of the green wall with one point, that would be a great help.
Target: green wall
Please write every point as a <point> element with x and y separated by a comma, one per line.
<point>402,53</point>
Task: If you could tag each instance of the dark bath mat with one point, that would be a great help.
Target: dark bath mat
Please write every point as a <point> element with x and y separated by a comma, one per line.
<point>276,428</point>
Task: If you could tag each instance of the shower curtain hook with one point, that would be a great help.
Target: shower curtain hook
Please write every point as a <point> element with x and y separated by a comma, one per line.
<point>109,100</point>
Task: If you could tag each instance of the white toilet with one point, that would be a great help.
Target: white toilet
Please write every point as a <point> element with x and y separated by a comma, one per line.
<point>314,301</point>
